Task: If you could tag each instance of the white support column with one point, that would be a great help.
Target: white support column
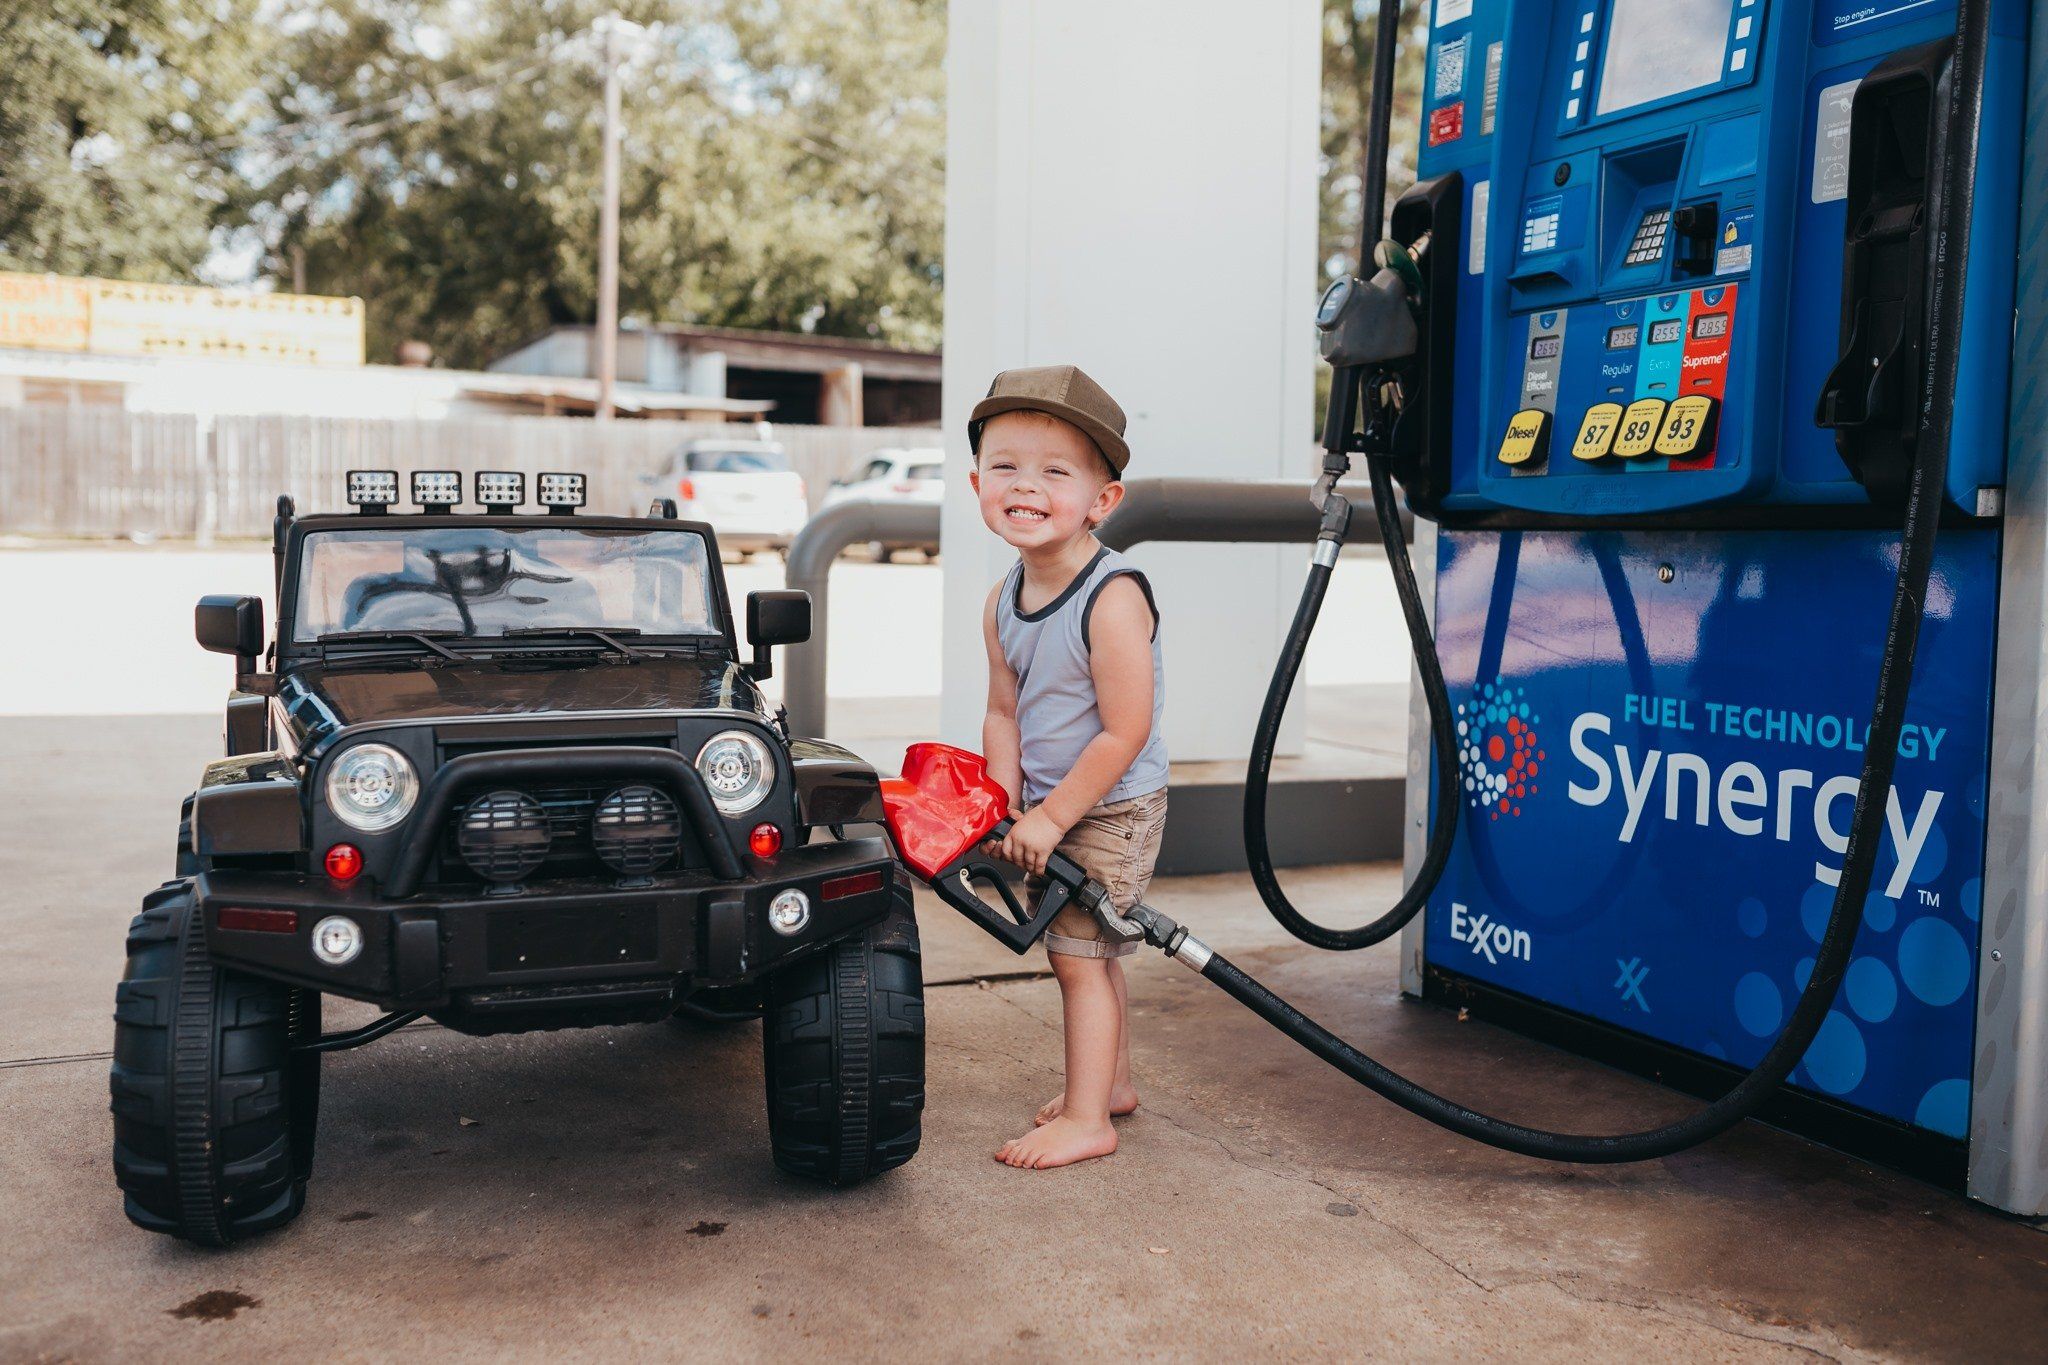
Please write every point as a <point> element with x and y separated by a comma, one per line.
<point>1132,188</point>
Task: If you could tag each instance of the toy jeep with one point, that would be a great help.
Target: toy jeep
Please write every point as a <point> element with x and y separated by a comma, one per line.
<point>506,771</point>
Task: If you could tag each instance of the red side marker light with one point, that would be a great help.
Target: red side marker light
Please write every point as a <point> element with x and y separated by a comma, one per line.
<point>858,884</point>
<point>765,841</point>
<point>257,921</point>
<point>344,862</point>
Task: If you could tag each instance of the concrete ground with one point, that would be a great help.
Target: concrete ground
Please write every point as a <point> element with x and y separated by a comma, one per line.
<point>607,1193</point>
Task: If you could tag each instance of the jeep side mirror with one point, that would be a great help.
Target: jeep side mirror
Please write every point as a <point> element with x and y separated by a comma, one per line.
<point>778,617</point>
<point>231,625</point>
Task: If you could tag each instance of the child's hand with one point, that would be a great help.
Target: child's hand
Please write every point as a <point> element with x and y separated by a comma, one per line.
<point>1031,841</point>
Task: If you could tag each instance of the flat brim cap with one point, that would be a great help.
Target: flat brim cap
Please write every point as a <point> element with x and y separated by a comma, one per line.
<point>1062,391</point>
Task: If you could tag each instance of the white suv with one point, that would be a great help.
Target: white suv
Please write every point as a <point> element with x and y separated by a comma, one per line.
<point>745,489</point>
<point>914,476</point>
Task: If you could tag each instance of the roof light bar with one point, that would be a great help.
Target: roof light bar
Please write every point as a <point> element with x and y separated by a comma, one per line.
<point>500,490</point>
<point>562,494</point>
<point>436,488</point>
<point>371,491</point>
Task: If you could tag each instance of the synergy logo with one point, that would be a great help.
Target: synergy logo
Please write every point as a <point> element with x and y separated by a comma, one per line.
<point>1497,750</point>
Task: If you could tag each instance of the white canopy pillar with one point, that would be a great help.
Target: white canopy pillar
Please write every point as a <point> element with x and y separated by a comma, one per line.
<point>1132,188</point>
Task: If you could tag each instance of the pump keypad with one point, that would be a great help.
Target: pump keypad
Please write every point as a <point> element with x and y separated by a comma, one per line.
<point>1647,247</point>
<point>1528,438</point>
<point>1688,426</point>
<point>1596,432</point>
<point>1639,425</point>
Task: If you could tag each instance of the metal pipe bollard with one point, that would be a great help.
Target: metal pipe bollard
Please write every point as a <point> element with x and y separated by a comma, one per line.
<point>1265,511</point>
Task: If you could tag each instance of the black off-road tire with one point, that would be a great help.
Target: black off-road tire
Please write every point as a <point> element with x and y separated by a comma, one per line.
<point>843,1047</point>
<point>214,1114</point>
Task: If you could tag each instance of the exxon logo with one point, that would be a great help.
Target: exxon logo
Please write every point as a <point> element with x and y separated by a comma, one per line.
<point>1489,939</point>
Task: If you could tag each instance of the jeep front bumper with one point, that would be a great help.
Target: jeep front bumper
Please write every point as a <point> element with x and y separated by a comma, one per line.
<point>573,941</point>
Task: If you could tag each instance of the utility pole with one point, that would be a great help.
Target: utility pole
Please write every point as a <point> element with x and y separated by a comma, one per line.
<point>608,229</point>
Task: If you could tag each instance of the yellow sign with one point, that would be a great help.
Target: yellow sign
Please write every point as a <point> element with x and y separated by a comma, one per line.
<point>1596,431</point>
<point>1527,437</point>
<point>1688,426</point>
<point>44,312</point>
<point>113,317</point>
<point>1639,428</point>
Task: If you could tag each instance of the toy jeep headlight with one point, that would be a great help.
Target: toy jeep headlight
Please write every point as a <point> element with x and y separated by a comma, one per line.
<point>371,787</point>
<point>739,770</point>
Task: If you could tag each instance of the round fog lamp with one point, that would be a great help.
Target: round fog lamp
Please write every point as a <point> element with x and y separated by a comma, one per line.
<point>337,940</point>
<point>790,911</point>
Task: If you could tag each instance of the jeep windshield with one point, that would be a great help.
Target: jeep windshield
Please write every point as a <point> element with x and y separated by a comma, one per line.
<point>495,582</point>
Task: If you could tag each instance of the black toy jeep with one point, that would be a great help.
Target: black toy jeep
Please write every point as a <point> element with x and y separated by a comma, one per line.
<point>508,772</point>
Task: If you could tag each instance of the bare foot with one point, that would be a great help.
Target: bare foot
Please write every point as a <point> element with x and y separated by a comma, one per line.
<point>1122,1100</point>
<point>1059,1143</point>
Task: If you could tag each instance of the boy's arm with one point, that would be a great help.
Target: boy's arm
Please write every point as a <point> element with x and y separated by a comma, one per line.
<point>1001,744</point>
<point>1120,661</point>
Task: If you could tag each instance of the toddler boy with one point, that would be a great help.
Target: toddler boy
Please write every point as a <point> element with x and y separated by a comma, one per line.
<point>1076,696</point>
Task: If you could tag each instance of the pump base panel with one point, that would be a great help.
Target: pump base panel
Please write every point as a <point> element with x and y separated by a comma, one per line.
<point>1939,1160</point>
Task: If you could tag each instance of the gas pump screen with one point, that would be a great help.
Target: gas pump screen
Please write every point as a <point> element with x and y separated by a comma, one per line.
<point>1659,48</point>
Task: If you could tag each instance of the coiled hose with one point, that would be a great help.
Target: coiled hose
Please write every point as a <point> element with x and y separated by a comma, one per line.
<point>1443,736</point>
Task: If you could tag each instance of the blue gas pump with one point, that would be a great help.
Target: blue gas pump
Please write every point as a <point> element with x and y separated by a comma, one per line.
<point>1702,290</point>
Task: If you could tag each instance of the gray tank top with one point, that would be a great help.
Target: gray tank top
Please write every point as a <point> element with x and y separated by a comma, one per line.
<point>1048,651</point>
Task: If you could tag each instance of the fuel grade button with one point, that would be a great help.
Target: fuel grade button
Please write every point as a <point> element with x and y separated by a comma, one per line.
<point>1596,432</point>
<point>1639,426</point>
<point>1689,426</point>
<point>1528,438</point>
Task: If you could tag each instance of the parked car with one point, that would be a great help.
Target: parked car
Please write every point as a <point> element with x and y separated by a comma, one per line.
<point>745,489</point>
<point>915,476</point>
<point>509,772</point>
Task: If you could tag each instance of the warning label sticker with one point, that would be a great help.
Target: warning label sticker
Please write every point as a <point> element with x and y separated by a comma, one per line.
<point>1451,11</point>
<point>1831,142</point>
<point>1447,124</point>
<point>1733,250</point>
<point>1489,90</point>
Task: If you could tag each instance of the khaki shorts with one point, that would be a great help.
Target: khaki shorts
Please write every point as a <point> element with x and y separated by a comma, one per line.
<point>1117,844</point>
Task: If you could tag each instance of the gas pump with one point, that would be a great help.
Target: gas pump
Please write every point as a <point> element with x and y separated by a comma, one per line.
<point>1716,297</point>
<point>1694,342</point>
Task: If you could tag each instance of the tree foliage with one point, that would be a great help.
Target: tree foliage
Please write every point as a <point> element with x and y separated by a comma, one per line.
<point>112,115</point>
<point>781,167</point>
<point>782,160</point>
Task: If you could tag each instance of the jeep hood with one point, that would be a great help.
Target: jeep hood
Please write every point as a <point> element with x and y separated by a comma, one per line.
<point>322,699</point>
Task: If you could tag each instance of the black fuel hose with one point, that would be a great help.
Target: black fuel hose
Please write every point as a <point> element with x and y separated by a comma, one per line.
<point>1443,734</point>
<point>1344,396</point>
<point>1948,267</point>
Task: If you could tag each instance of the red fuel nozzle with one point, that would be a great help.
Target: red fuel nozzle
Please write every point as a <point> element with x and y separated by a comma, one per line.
<point>944,804</point>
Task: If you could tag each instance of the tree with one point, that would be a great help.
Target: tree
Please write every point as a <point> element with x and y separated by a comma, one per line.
<point>113,115</point>
<point>1349,29</point>
<point>781,167</point>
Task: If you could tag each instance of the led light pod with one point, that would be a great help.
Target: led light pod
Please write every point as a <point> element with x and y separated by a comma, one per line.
<point>500,490</point>
<point>436,488</point>
<point>371,787</point>
<point>738,769</point>
<point>372,487</point>
<point>562,494</point>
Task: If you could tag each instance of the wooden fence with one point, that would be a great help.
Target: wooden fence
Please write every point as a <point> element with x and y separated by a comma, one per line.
<point>89,472</point>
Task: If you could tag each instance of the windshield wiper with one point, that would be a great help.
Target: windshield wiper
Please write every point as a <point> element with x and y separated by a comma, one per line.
<point>608,636</point>
<point>428,638</point>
